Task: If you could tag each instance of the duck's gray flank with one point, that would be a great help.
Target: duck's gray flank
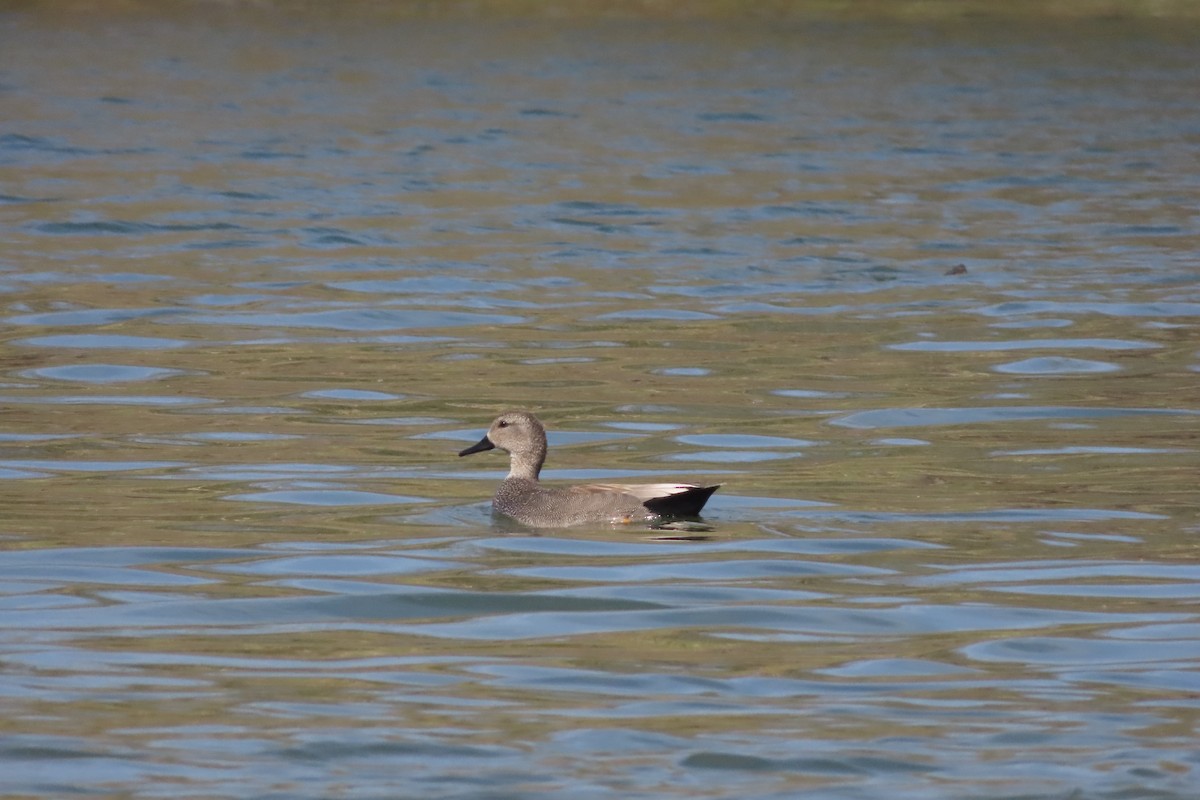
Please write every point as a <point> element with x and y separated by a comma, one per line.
<point>521,497</point>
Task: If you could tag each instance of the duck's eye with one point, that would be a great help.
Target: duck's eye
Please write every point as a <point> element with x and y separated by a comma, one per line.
<point>502,423</point>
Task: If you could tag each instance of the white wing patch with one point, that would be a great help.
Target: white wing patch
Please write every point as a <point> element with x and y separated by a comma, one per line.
<point>642,491</point>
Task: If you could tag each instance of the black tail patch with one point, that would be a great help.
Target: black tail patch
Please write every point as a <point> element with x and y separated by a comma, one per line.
<point>682,504</point>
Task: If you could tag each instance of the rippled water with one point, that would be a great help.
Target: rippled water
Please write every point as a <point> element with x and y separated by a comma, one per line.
<point>922,297</point>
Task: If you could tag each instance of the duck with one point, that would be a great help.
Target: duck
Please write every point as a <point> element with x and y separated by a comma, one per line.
<point>521,497</point>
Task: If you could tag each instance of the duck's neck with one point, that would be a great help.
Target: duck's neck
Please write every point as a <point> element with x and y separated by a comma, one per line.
<point>526,465</point>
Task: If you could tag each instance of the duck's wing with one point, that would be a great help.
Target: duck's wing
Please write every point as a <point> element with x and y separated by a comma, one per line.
<point>642,491</point>
<point>666,499</point>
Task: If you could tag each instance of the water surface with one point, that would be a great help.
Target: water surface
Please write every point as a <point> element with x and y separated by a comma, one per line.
<point>921,296</point>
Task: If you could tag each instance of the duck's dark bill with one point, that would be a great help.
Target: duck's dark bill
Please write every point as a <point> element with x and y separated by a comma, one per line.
<point>483,444</point>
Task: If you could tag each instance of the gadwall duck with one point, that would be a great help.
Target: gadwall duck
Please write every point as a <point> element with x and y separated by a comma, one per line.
<point>522,498</point>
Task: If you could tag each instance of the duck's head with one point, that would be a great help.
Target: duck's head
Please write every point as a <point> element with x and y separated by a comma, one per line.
<point>517,432</point>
